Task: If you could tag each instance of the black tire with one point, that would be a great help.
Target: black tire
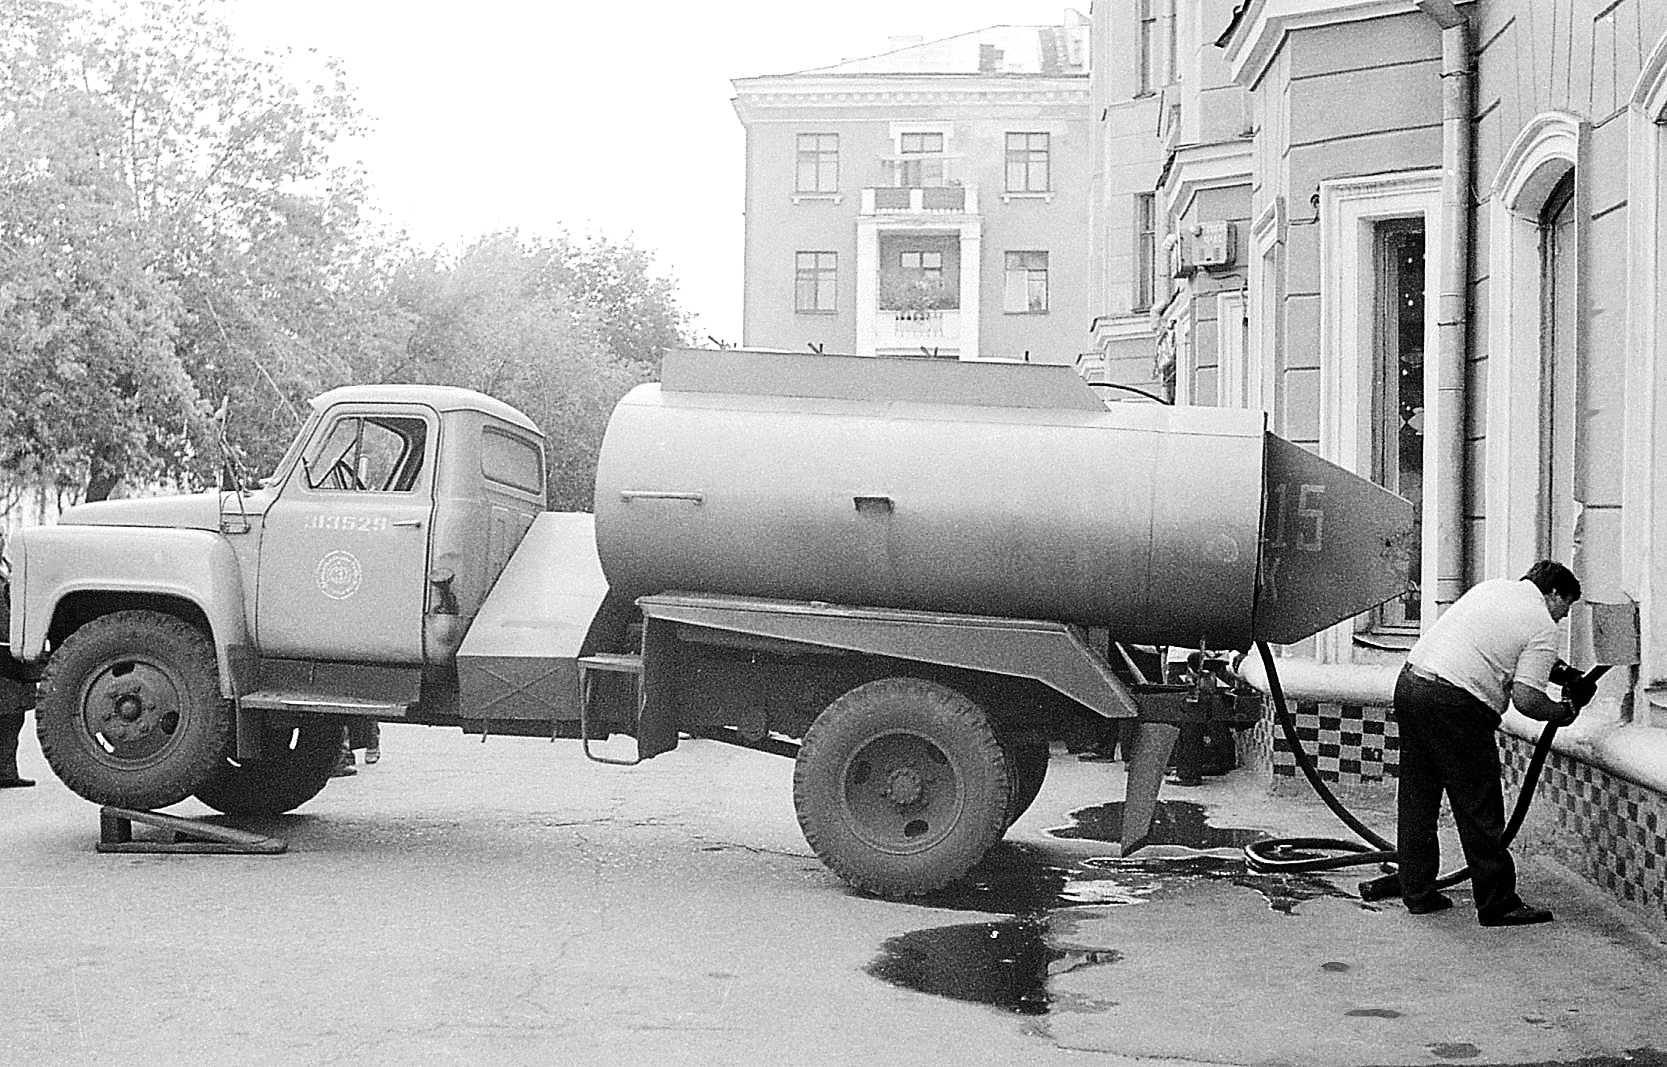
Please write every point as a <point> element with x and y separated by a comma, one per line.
<point>130,713</point>
<point>1027,763</point>
<point>294,766</point>
<point>901,786</point>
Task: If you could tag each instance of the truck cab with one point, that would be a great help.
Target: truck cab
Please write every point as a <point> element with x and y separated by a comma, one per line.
<point>205,643</point>
<point>389,524</point>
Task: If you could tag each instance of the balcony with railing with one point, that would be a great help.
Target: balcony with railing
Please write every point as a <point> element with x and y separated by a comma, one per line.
<point>920,200</point>
<point>910,331</point>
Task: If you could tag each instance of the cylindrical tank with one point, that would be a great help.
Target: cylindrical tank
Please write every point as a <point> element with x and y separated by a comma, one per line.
<point>1000,490</point>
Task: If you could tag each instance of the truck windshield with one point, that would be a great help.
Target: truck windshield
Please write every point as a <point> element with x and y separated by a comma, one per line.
<point>302,436</point>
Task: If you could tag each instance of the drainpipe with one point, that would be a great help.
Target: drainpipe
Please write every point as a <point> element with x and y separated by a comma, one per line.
<point>1452,314</point>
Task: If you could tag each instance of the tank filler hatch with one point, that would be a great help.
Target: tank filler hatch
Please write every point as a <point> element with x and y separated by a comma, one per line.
<point>1333,544</point>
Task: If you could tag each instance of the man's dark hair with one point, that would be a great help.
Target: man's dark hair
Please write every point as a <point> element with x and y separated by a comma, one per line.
<point>1551,577</point>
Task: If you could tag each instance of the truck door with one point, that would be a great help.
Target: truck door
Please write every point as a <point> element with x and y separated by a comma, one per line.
<point>344,548</point>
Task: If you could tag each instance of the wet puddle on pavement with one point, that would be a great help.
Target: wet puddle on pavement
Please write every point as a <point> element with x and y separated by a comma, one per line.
<point>1175,822</point>
<point>1008,963</point>
<point>1005,964</point>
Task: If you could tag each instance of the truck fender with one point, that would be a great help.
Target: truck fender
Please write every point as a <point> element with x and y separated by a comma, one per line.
<point>112,568</point>
<point>1052,653</point>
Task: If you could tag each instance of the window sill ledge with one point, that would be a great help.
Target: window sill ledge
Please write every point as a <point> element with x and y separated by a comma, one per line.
<point>827,198</point>
<point>1008,198</point>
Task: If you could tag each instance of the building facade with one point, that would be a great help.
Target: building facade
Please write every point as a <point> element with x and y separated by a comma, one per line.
<point>931,200</point>
<point>1425,237</point>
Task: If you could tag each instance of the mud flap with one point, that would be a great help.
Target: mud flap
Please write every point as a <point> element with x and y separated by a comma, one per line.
<point>1148,758</point>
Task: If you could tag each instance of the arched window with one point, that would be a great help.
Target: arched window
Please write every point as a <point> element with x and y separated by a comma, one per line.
<point>1533,346</point>
<point>1559,331</point>
<point>1643,572</point>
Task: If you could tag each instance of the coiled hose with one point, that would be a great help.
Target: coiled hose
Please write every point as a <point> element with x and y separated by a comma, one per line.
<point>1276,855</point>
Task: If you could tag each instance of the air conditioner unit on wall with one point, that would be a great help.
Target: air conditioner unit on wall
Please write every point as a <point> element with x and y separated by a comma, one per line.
<point>1204,246</point>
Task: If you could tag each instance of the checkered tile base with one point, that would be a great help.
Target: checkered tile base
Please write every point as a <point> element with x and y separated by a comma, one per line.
<point>1608,830</point>
<point>1352,745</point>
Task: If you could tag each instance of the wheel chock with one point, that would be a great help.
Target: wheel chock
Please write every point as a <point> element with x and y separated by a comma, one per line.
<point>115,834</point>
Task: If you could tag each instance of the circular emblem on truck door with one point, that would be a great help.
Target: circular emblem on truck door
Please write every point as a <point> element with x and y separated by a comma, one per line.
<point>339,575</point>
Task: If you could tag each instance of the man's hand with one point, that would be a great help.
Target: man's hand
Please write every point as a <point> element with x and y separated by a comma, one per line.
<point>1577,688</point>
<point>1570,713</point>
<point>1579,691</point>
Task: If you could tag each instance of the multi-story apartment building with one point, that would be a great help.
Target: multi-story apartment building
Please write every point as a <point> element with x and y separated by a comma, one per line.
<point>1426,236</point>
<point>1131,57</point>
<point>929,200</point>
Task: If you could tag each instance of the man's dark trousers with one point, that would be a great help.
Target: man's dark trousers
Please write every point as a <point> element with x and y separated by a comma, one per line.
<point>1447,744</point>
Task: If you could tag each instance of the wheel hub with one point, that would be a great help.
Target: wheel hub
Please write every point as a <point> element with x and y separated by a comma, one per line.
<point>904,786</point>
<point>900,794</point>
<point>128,718</point>
<point>131,709</point>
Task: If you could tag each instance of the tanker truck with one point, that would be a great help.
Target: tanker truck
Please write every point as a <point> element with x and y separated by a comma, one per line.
<point>886,569</point>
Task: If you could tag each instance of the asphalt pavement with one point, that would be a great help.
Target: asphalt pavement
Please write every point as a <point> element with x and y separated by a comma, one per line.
<point>510,902</point>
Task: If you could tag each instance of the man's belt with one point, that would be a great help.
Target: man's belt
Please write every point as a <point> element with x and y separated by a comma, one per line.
<point>1424,675</point>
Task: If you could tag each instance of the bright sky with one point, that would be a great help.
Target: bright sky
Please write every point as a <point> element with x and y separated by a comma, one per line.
<point>596,117</point>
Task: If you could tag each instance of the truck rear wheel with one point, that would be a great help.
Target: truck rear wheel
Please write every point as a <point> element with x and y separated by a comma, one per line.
<point>1027,763</point>
<point>901,786</point>
<point>130,713</point>
<point>294,767</point>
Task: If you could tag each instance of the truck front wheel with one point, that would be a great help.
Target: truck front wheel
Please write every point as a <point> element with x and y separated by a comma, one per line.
<point>129,710</point>
<point>294,766</point>
<point>901,786</point>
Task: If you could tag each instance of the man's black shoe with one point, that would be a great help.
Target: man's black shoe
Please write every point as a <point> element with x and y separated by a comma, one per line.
<point>1522,915</point>
<point>1433,902</point>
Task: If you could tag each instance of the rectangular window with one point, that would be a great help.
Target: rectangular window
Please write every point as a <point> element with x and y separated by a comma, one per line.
<point>1027,163</point>
<point>815,283</point>
<point>922,162</point>
<point>926,266</point>
<point>1147,43</point>
<point>1398,387</point>
<point>1171,49</point>
<point>512,461</point>
<point>1146,249</point>
<point>818,163</point>
<point>369,454</point>
<point>1026,288</point>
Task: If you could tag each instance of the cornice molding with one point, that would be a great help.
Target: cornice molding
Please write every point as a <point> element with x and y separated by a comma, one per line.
<point>757,95</point>
<point>1219,165</point>
<point>1266,24</point>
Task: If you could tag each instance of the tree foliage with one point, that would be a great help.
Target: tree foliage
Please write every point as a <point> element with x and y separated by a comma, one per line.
<point>500,320</point>
<point>175,230</point>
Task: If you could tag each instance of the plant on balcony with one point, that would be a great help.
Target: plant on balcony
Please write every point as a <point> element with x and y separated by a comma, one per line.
<point>913,293</point>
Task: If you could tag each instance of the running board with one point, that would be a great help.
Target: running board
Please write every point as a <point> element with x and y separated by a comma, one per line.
<point>115,834</point>
<point>312,704</point>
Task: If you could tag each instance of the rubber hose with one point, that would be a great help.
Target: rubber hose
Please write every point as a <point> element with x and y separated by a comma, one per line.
<point>1371,848</point>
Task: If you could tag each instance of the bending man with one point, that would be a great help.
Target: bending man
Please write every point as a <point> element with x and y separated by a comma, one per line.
<point>1494,647</point>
